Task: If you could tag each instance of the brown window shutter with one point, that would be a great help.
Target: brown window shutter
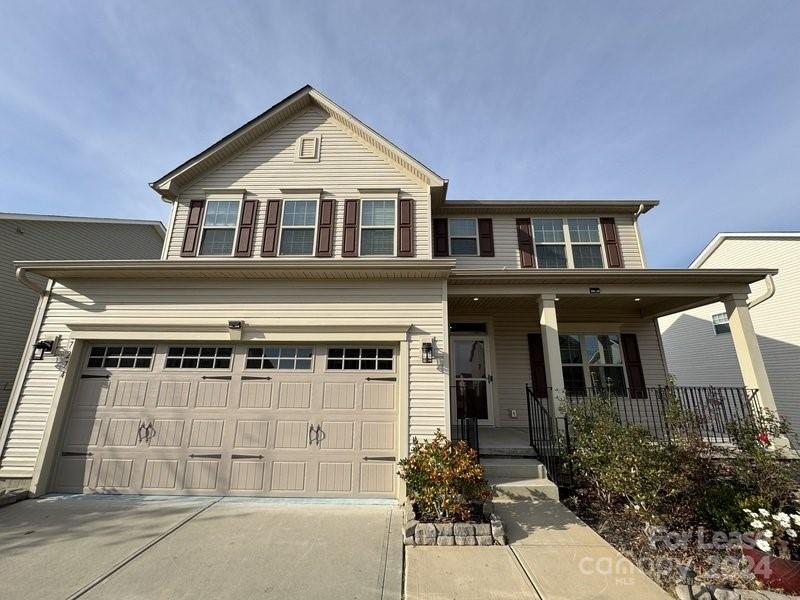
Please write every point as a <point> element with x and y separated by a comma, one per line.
<point>269,247</point>
<point>441,245</point>
<point>350,237</point>
<point>405,227</point>
<point>633,364</point>
<point>191,236</point>
<point>485,237</point>
<point>538,370</point>
<point>611,240</point>
<point>525,239</point>
<point>247,227</point>
<point>327,209</point>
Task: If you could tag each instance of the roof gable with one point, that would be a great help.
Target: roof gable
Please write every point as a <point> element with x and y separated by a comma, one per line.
<point>169,184</point>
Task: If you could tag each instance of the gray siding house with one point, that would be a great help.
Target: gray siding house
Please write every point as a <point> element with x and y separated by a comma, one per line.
<point>43,237</point>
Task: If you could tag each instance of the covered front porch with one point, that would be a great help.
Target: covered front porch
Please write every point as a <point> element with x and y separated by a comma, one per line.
<point>523,343</point>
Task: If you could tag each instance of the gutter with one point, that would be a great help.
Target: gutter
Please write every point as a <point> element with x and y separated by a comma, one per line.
<point>769,293</point>
<point>22,277</point>
<point>639,212</point>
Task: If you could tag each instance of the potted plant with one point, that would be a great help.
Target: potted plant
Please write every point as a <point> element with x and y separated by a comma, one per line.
<point>773,548</point>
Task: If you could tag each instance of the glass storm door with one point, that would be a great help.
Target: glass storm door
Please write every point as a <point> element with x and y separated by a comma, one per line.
<point>473,389</point>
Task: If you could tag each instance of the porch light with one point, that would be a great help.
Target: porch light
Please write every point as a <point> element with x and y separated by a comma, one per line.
<point>40,347</point>
<point>427,352</point>
<point>637,299</point>
<point>594,290</point>
<point>475,299</point>
<point>235,324</point>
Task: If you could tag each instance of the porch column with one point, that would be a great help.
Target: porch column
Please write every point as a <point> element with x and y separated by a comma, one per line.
<point>548,323</point>
<point>748,353</point>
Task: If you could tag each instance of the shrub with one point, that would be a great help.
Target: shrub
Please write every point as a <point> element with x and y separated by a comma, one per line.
<point>444,479</point>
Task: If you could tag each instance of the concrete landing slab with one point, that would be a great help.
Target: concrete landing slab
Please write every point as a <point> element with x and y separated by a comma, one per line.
<point>465,573</point>
<point>585,573</point>
<point>52,546</point>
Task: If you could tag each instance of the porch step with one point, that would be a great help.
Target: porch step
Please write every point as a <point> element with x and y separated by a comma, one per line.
<point>515,489</point>
<point>512,468</point>
<point>502,452</point>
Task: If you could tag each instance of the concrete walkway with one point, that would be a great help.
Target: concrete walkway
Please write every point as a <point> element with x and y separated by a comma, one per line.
<point>551,555</point>
<point>133,547</point>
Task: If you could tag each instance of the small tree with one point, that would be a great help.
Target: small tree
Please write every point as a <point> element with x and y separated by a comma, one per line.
<point>444,479</point>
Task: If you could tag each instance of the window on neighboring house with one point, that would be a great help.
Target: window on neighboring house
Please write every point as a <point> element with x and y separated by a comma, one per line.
<point>377,227</point>
<point>463,237</point>
<point>298,225</point>
<point>592,361</point>
<point>219,228</point>
<point>720,322</point>
<point>548,236</point>
<point>584,237</point>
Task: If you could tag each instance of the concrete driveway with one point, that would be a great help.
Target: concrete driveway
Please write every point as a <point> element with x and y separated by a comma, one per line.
<point>127,547</point>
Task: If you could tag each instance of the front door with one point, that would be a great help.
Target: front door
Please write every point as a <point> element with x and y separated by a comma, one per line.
<point>471,378</point>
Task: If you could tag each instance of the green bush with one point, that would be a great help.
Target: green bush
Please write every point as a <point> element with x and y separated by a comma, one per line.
<point>444,479</point>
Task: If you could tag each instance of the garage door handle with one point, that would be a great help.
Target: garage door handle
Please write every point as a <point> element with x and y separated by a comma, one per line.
<point>385,458</point>
<point>205,456</point>
<point>237,456</point>
<point>381,378</point>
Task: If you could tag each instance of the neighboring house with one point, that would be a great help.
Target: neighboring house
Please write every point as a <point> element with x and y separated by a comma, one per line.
<point>698,342</point>
<point>318,300</point>
<point>48,237</point>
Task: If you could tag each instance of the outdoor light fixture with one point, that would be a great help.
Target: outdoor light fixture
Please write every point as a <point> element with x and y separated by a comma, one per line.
<point>594,290</point>
<point>475,299</point>
<point>40,347</point>
<point>637,299</point>
<point>235,324</point>
<point>427,352</point>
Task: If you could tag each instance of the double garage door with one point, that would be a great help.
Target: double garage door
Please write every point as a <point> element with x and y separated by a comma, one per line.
<point>235,419</point>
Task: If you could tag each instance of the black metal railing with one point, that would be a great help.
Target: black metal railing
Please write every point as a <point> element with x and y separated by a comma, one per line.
<point>707,411</point>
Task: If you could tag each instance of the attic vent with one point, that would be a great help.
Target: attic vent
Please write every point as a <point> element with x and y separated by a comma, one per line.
<point>308,148</point>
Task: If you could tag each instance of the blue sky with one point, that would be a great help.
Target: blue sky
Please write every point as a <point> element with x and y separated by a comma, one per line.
<point>696,104</point>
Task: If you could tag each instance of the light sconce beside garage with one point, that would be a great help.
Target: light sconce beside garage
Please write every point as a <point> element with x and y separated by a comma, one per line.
<point>40,347</point>
<point>428,350</point>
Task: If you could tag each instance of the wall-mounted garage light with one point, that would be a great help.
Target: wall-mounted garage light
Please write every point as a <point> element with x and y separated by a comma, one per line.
<point>40,347</point>
<point>235,324</point>
<point>427,351</point>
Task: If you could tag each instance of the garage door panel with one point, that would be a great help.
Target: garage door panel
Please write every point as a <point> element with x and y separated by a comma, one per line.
<point>212,394</point>
<point>339,396</point>
<point>92,392</point>
<point>288,476</point>
<point>201,474</point>
<point>294,394</point>
<point>291,434</point>
<point>251,434</point>
<point>82,432</point>
<point>74,474</point>
<point>206,433</point>
<point>160,474</point>
<point>122,433</point>
<point>129,393</point>
<point>338,435</point>
<point>256,394</point>
<point>169,433</point>
<point>173,394</point>
<point>378,435</point>
<point>335,477</point>
<point>376,478</point>
<point>247,475</point>
<point>115,474</point>
<point>378,396</point>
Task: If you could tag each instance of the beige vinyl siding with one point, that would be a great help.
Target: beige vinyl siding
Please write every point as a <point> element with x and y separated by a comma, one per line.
<point>506,248</point>
<point>696,356</point>
<point>512,367</point>
<point>345,166</point>
<point>54,240</point>
<point>352,302</point>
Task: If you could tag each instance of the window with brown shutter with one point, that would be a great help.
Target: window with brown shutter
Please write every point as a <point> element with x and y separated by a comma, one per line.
<point>327,210</point>
<point>269,246</point>
<point>405,227</point>
<point>538,368</point>
<point>191,236</point>
<point>525,241</point>
<point>247,227</point>
<point>486,237</point>
<point>440,241</point>
<point>633,364</point>
<point>350,233</point>
<point>608,226</point>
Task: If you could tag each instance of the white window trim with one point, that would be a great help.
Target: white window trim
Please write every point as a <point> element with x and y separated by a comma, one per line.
<point>450,237</point>
<point>568,243</point>
<point>220,198</point>
<point>587,377</point>
<point>362,227</point>
<point>282,226</point>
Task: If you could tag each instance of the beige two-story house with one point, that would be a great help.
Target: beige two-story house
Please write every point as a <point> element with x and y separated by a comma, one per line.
<point>321,302</point>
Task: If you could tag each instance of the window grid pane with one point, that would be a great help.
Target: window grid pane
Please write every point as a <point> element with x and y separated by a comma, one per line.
<point>548,231</point>
<point>112,357</point>
<point>377,213</point>
<point>551,256</point>
<point>217,242</point>
<point>297,242</point>
<point>221,213</point>
<point>295,358</point>
<point>377,242</point>
<point>299,213</point>
<point>463,228</point>
<point>463,246</point>
<point>583,231</point>
<point>587,257</point>
<point>203,357</point>
<point>360,359</point>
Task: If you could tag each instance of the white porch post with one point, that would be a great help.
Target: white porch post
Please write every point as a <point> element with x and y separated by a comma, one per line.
<point>548,323</point>
<point>748,353</point>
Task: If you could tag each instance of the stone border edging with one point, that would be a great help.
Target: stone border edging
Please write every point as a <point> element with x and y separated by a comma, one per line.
<point>453,534</point>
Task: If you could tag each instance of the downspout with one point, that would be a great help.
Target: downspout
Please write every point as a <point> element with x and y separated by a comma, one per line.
<point>769,293</point>
<point>636,216</point>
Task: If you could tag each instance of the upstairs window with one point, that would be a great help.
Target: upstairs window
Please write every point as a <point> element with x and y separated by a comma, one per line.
<point>720,323</point>
<point>219,228</point>
<point>548,236</point>
<point>584,236</point>
<point>463,237</point>
<point>377,227</point>
<point>298,225</point>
